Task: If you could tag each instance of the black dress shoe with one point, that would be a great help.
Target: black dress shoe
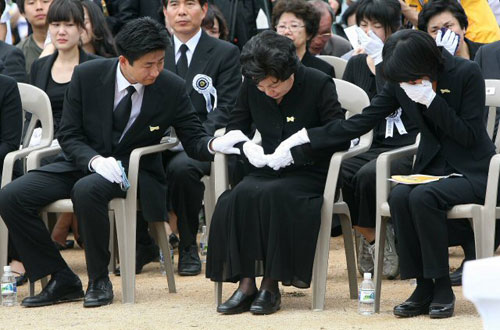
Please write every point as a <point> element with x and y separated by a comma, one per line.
<point>456,276</point>
<point>411,308</point>
<point>173,240</point>
<point>99,293</point>
<point>189,261</point>
<point>143,256</point>
<point>238,303</point>
<point>266,302</point>
<point>441,311</point>
<point>59,289</point>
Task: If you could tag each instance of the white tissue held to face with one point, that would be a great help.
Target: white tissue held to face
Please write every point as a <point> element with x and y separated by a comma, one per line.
<point>420,92</point>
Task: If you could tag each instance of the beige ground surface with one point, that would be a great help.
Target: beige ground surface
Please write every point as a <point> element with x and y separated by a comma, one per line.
<point>192,307</point>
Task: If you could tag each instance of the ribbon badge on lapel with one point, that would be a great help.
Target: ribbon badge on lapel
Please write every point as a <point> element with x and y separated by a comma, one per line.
<point>203,85</point>
<point>394,119</point>
<point>290,119</point>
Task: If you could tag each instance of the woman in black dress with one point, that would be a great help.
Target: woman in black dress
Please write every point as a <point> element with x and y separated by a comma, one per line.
<point>299,21</point>
<point>268,224</point>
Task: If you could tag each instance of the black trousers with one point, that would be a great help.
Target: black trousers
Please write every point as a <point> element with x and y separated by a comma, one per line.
<point>21,200</point>
<point>185,193</point>
<point>358,175</point>
<point>419,217</point>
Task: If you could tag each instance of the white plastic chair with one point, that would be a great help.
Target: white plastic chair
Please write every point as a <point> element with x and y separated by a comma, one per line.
<point>123,211</point>
<point>354,100</point>
<point>339,64</point>
<point>482,216</point>
<point>36,102</point>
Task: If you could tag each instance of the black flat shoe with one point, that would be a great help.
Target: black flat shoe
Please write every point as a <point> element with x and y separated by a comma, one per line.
<point>173,240</point>
<point>266,302</point>
<point>69,244</point>
<point>21,278</point>
<point>441,311</point>
<point>411,308</point>
<point>143,256</point>
<point>58,290</point>
<point>99,293</point>
<point>238,303</point>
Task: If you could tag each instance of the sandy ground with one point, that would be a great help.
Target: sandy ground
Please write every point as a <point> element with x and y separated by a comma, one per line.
<point>193,307</point>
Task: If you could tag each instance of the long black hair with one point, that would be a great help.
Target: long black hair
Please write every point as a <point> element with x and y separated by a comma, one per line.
<point>102,39</point>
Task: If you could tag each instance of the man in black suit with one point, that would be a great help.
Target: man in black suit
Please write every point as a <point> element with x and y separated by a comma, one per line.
<point>12,62</point>
<point>111,107</point>
<point>212,73</point>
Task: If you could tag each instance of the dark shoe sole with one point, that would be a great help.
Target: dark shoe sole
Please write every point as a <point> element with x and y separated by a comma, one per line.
<point>263,312</point>
<point>97,303</point>
<point>74,296</point>
<point>441,315</point>
<point>239,310</point>
<point>412,314</point>
<point>184,273</point>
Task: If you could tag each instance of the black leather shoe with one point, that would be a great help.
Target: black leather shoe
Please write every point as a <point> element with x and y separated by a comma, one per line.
<point>189,261</point>
<point>411,308</point>
<point>173,240</point>
<point>99,293</point>
<point>238,303</point>
<point>266,302</point>
<point>441,311</point>
<point>456,276</point>
<point>59,289</point>
<point>143,256</point>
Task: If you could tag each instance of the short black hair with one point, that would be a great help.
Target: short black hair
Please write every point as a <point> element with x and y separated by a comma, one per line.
<point>269,54</point>
<point>436,7</point>
<point>351,10</point>
<point>201,2</point>
<point>386,12</point>
<point>140,37</point>
<point>300,8</point>
<point>20,6</point>
<point>214,13</point>
<point>410,55</point>
<point>2,6</point>
<point>66,11</point>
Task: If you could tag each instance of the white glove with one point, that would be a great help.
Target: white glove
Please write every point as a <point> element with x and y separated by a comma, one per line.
<point>420,93</point>
<point>255,154</point>
<point>449,40</point>
<point>282,156</point>
<point>225,144</point>
<point>107,168</point>
<point>372,44</point>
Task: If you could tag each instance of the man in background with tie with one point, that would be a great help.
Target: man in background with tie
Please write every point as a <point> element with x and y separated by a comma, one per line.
<point>211,70</point>
<point>111,107</point>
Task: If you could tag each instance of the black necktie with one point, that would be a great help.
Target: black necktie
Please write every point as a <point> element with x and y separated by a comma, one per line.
<point>182,63</point>
<point>121,115</point>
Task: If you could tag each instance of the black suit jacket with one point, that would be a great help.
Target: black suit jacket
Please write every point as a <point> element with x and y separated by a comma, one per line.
<point>220,61</point>
<point>10,117</point>
<point>451,128</point>
<point>86,128</point>
<point>131,9</point>
<point>488,58</point>
<point>12,62</point>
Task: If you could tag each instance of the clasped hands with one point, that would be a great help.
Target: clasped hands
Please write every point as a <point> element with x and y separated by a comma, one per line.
<point>282,156</point>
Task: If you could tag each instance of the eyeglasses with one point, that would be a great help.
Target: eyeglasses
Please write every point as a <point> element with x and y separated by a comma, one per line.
<point>291,27</point>
<point>323,36</point>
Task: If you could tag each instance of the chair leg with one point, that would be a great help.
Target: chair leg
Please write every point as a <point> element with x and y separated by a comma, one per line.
<point>380,233</point>
<point>4,236</point>
<point>32,288</point>
<point>349,255</point>
<point>320,267</point>
<point>484,234</point>
<point>161,237</point>
<point>112,251</point>
<point>218,293</point>
<point>126,227</point>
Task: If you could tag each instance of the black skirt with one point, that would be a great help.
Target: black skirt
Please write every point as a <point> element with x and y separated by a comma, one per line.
<point>267,226</point>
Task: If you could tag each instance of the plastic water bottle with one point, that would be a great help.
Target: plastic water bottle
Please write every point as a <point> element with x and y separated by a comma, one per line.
<point>366,295</point>
<point>163,268</point>
<point>204,244</point>
<point>8,287</point>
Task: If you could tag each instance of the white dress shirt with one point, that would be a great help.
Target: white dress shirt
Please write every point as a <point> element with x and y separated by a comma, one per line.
<point>191,45</point>
<point>121,90</point>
